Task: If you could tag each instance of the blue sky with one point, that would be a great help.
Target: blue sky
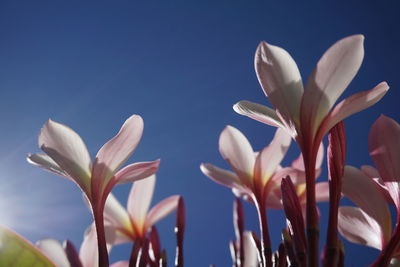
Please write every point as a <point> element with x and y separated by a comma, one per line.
<point>181,65</point>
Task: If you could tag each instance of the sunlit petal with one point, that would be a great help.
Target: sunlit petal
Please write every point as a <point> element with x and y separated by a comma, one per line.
<point>333,73</point>
<point>280,79</point>
<point>364,192</point>
<point>116,151</point>
<point>54,251</point>
<point>384,148</point>
<point>237,151</point>
<point>322,191</point>
<point>47,163</point>
<point>67,149</point>
<point>220,176</point>
<point>250,250</point>
<point>357,227</point>
<point>161,210</point>
<point>271,156</point>
<point>139,200</point>
<point>258,112</point>
<point>137,171</point>
<point>354,104</point>
<point>116,214</point>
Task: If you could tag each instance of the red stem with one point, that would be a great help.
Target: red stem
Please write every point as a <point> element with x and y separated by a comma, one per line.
<point>101,237</point>
<point>309,157</point>
<point>266,251</point>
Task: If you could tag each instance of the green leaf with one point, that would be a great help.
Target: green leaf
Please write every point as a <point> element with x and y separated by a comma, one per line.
<point>16,251</point>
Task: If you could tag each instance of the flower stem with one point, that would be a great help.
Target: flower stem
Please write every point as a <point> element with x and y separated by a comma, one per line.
<point>266,251</point>
<point>101,237</point>
<point>311,208</point>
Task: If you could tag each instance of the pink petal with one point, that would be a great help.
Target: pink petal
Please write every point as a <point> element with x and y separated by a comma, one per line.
<point>384,148</point>
<point>250,250</point>
<point>394,190</point>
<point>53,250</point>
<point>258,112</point>
<point>364,192</point>
<point>47,163</point>
<point>237,151</point>
<point>220,176</point>
<point>137,171</point>
<point>67,150</point>
<point>270,157</point>
<point>116,151</point>
<point>161,210</point>
<point>373,174</point>
<point>117,215</point>
<point>354,104</point>
<point>88,252</point>
<point>357,227</point>
<point>280,79</point>
<point>322,191</point>
<point>139,201</point>
<point>333,73</point>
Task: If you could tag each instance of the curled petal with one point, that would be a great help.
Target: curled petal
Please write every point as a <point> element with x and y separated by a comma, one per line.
<point>54,251</point>
<point>354,104</point>
<point>161,210</point>
<point>333,73</point>
<point>237,151</point>
<point>67,150</point>
<point>139,201</point>
<point>137,171</point>
<point>280,79</point>
<point>269,159</point>
<point>47,163</point>
<point>384,148</point>
<point>220,176</point>
<point>116,151</point>
<point>364,192</point>
<point>258,112</point>
<point>358,227</point>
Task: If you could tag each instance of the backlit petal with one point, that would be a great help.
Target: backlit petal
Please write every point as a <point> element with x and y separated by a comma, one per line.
<point>220,176</point>
<point>116,151</point>
<point>67,149</point>
<point>53,250</point>
<point>237,151</point>
<point>271,156</point>
<point>384,148</point>
<point>137,171</point>
<point>357,227</point>
<point>322,191</point>
<point>250,250</point>
<point>161,210</point>
<point>280,79</point>
<point>45,162</point>
<point>333,73</point>
<point>364,192</point>
<point>354,104</point>
<point>139,200</point>
<point>258,112</point>
<point>116,214</point>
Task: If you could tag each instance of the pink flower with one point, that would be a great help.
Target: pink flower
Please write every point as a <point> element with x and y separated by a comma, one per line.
<point>370,189</point>
<point>134,222</point>
<point>260,173</point>
<point>307,115</point>
<point>67,156</point>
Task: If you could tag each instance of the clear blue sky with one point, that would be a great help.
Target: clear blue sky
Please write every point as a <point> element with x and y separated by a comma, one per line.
<point>181,65</point>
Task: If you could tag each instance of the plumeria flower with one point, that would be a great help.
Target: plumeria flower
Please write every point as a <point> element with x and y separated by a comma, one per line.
<point>253,172</point>
<point>371,190</point>
<point>308,115</point>
<point>67,155</point>
<point>65,255</point>
<point>133,223</point>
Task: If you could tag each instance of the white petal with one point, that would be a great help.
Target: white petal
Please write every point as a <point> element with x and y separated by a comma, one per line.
<point>54,251</point>
<point>220,176</point>
<point>237,151</point>
<point>161,210</point>
<point>67,149</point>
<point>258,112</point>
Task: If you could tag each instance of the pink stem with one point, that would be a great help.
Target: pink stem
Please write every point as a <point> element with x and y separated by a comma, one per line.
<point>101,237</point>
